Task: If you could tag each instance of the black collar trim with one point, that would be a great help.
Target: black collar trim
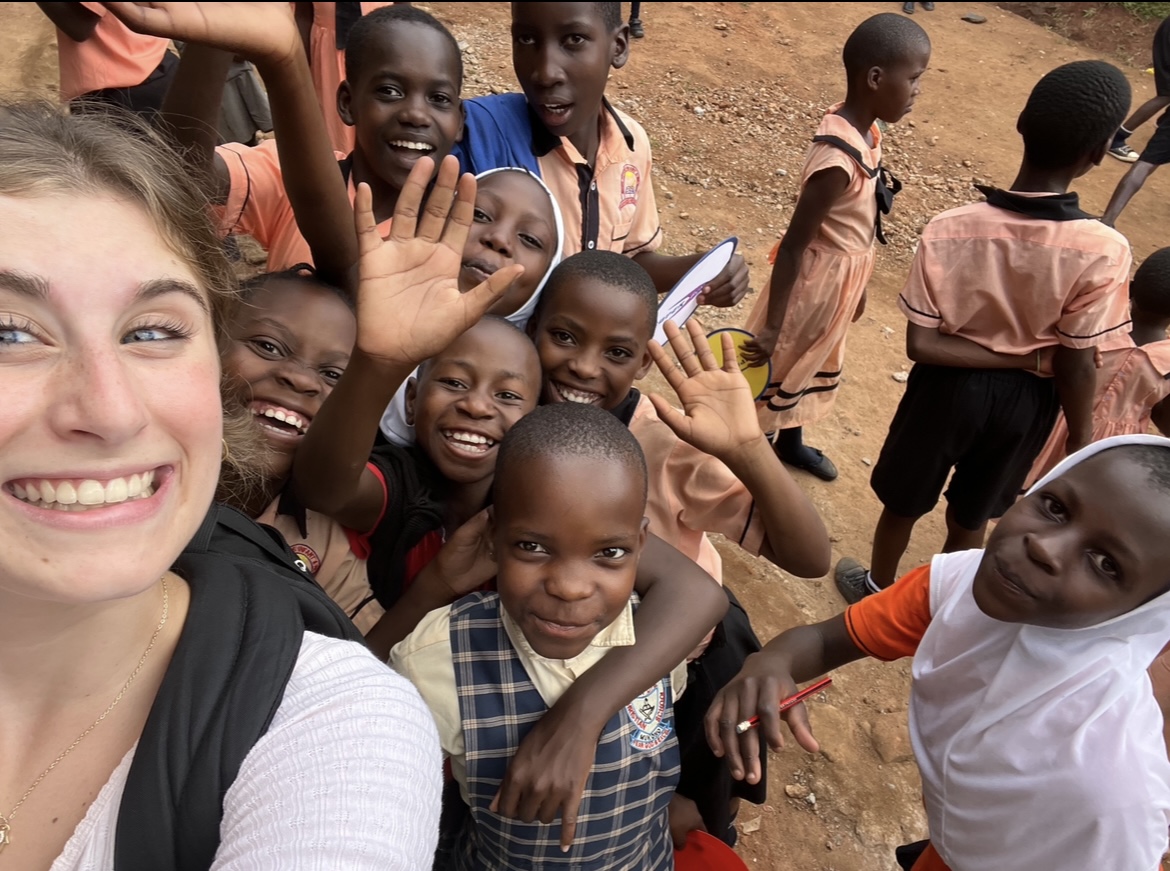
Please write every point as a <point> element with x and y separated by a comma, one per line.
<point>1052,207</point>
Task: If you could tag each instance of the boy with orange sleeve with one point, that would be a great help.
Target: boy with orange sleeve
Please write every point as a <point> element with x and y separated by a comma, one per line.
<point>1001,295</point>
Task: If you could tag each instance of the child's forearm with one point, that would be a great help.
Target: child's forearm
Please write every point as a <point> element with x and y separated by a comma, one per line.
<point>191,110</point>
<point>72,19</point>
<point>931,346</point>
<point>403,618</point>
<point>785,270</point>
<point>316,190</point>
<point>665,270</point>
<point>331,460</point>
<point>1075,372</point>
<point>794,534</point>
<point>807,652</point>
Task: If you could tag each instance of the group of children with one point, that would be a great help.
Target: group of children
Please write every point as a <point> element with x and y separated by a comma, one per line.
<point>459,454</point>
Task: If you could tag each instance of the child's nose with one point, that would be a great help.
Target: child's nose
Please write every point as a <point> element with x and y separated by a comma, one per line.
<point>298,377</point>
<point>585,365</point>
<point>567,583</point>
<point>476,403</point>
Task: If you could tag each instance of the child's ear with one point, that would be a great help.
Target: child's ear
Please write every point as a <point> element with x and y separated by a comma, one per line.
<point>411,396</point>
<point>643,534</point>
<point>873,78</point>
<point>644,366</point>
<point>621,47</point>
<point>344,98</point>
<point>462,120</point>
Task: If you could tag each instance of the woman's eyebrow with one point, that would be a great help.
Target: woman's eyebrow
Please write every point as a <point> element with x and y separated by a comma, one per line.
<point>36,287</point>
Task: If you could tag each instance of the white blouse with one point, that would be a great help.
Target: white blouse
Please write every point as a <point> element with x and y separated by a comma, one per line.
<point>348,776</point>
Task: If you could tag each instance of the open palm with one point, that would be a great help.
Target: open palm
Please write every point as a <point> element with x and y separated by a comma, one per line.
<point>409,304</point>
<point>255,30</point>
<point>719,413</point>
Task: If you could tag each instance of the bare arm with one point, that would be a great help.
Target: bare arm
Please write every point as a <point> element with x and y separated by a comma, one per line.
<point>267,35</point>
<point>795,656</point>
<point>819,194</point>
<point>929,345</point>
<point>191,113</point>
<point>72,19</point>
<point>725,289</point>
<point>719,418</point>
<point>1076,384</point>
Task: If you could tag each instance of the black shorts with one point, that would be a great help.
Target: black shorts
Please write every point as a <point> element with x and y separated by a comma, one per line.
<point>1157,150</point>
<point>986,424</point>
<point>705,779</point>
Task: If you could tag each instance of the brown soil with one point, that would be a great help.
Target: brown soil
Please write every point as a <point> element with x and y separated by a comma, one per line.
<point>730,94</point>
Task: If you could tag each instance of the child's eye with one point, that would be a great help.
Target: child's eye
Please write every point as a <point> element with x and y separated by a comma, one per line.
<point>613,553</point>
<point>481,217</point>
<point>1053,506</point>
<point>524,40</point>
<point>1106,565</point>
<point>575,40</point>
<point>454,383</point>
<point>266,348</point>
<point>509,396</point>
<point>331,375</point>
<point>162,332</point>
<point>389,91</point>
<point>442,99</point>
<point>530,547</point>
<point>531,241</point>
<point>620,353</point>
<point>561,336</point>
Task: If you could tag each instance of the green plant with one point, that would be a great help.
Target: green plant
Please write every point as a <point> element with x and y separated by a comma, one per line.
<point>1148,10</point>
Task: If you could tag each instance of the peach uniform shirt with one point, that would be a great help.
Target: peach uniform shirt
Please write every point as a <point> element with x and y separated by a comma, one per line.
<point>113,57</point>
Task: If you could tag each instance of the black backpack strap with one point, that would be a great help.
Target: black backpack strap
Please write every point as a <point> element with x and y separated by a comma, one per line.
<point>241,639</point>
<point>888,186</point>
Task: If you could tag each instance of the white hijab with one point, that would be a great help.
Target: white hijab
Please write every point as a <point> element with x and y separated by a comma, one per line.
<point>394,425</point>
<point>1040,748</point>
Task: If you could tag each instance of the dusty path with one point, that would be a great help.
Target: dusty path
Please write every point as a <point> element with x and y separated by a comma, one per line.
<point>730,94</point>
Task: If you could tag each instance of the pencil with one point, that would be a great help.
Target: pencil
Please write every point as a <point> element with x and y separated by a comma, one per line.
<point>787,703</point>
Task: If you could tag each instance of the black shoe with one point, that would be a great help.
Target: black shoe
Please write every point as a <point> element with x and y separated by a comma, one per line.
<point>814,462</point>
<point>908,8</point>
<point>636,30</point>
<point>850,577</point>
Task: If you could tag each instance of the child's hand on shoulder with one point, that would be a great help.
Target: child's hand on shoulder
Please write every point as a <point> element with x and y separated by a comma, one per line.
<point>729,286</point>
<point>719,413</point>
<point>764,681</point>
<point>261,32</point>
<point>409,304</point>
<point>464,563</point>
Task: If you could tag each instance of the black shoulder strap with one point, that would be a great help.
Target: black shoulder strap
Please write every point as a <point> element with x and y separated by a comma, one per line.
<point>888,186</point>
<point>250,607</point>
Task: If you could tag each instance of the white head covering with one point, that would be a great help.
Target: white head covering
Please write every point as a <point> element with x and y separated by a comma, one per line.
<point>1040,748</point>
<point>394,425</point>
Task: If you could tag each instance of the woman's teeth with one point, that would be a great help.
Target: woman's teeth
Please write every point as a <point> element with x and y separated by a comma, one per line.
<point>66,496</point>
<point>469,441</point>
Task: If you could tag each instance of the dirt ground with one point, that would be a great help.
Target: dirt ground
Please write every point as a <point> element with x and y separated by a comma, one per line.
<point>730,94</point>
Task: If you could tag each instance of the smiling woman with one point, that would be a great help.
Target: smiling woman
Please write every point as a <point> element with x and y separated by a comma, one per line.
<point>114,306</point>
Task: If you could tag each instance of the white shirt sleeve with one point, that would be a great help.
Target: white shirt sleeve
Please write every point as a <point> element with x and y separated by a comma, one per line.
<point>348,776</point>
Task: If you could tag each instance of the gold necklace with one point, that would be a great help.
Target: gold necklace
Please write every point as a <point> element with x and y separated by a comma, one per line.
<point>6,821</point>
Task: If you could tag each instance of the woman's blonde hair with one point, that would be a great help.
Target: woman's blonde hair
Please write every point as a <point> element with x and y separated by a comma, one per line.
<point>46,151</point>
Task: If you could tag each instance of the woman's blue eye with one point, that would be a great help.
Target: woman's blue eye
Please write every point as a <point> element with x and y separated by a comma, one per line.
<point>11,335</point>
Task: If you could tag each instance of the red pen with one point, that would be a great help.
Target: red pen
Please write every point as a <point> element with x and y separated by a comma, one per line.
<point>787,703</point>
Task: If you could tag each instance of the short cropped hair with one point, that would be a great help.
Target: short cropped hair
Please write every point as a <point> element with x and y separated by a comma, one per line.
<point>1150,287</point>
<point>367,29</point>
<point>611,15</point>
<point>602,267</point>
<point>569,429</point>
<point>300,273</point>
<point>486,319</point>
<point>882,40</point>
<point>1073,110</point>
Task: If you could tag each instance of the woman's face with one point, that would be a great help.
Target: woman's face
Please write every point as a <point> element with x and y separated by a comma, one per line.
<point>111,429</point>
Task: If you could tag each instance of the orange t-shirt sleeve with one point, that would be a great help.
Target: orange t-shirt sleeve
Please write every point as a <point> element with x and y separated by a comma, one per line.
<point>256,202</point>
<point>890,624</point>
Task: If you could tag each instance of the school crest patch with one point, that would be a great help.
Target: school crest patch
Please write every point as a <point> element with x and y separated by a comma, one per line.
<point>631,179</point>
<point>648,714</point>
<point>306,558</point>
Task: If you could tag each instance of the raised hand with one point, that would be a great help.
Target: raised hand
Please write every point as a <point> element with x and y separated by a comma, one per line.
<point>465,562</point>
<point>260,32</point>
<point>409,304</point>
<point>719,413</point>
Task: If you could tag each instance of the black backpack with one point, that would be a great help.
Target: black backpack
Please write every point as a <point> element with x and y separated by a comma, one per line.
<point>887,185</point>
<point>250,607</point>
